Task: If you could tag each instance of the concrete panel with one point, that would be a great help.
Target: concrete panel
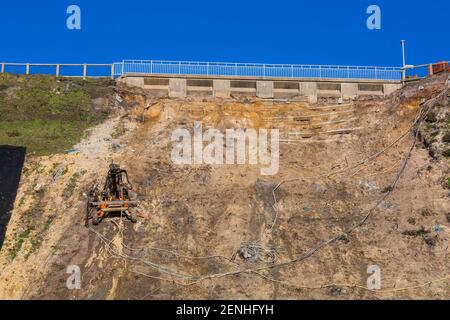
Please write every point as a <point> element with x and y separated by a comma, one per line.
<point>156,82</point>
<point>199,92</point>
<point>327,86</point>
<point>134,81</point>
<point>349,90</point>
<point>286,85</point>
<point>221,88</point>
<point>159,93</point>
<point>370,87</point>
<point>286,89</point>
<point>309,90</point>
<point>203,83</point>
<point>239,84</point>
<point>264,89</point>
<point>243,88</point>
<point>312,99</point>
<point>181,86</point>
<point>177,88</point>
<point>391,87</point>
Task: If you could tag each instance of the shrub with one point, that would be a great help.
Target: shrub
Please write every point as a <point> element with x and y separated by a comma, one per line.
<point>446,138</point>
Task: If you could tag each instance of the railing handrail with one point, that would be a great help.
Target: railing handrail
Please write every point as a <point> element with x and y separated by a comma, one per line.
<point>84,74</point>
<point>56,64</point>
<point>260,70</point>
<point>241,64</point>
<point>235,69</point>
<point>407,67</point>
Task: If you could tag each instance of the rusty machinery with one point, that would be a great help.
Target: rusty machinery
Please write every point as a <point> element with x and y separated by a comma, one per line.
<point>116,197</point>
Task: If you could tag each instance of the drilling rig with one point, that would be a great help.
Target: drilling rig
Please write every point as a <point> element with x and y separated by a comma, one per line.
<point>115,198</point>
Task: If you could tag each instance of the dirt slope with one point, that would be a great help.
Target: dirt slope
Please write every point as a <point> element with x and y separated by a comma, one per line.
<point>226,232</point>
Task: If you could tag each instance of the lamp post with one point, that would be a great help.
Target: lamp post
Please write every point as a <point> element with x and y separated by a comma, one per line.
<point>402,43</point>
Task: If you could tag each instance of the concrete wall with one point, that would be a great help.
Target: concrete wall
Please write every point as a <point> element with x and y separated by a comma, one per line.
<point>309,90</point>
<point>221,88</point>
<point>349,91</point>
<point>134,81</point>
<point>177,88</point>
<point>312,91</point>
<point>264,89</point>
<point>390,88</point>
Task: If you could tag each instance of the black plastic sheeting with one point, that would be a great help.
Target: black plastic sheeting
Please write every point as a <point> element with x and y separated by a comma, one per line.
<point>11,164</point>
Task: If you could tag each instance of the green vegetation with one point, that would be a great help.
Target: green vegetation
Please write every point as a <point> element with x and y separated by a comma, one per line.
<point>49,115</point>
<point>36,226</point>
<point>446,153</point>
<point>431,126</point>
<point>119,130</point>
<point>20,240</point>
<point>41,137</point>
<point>35,245</point>
<point>446,138</point>
<point>21,201</point>
<point>70,187</point>
<point>49,222</point>
<point>431,117</point>
<point>28,234</point>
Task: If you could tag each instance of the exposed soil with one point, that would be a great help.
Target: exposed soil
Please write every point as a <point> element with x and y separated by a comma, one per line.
<point>225,231</point>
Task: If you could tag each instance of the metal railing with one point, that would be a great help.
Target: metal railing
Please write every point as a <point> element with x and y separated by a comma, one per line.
<point>256,70</point>
<point>422,71</point>
<point>238,70</point>
<point>85,70</point>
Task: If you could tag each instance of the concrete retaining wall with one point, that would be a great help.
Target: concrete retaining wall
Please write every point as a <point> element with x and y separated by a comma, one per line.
<point>177,88</point>
<point>312,91</point>
<point>221,88</point>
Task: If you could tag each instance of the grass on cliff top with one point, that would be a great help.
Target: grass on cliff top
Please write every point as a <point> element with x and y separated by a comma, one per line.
<point>48,115</point>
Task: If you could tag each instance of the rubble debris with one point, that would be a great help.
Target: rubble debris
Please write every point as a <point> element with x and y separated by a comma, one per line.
<point>417,232</point>
<point>72,151</point>
<point>253,252</point>
<point>438,228</point>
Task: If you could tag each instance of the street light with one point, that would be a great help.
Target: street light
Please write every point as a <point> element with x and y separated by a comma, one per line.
<point>403,42</point>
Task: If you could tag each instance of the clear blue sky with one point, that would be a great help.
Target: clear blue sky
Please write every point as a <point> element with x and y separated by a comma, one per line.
<point>282,31</point>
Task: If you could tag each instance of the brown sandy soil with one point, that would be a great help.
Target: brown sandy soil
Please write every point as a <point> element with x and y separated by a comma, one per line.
<point>226,232</point>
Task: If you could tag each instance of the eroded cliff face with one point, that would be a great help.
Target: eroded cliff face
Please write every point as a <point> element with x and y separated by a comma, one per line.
<point>343,199</point>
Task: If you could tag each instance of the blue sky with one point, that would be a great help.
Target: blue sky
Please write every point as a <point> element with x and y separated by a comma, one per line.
<point>283,31</point>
